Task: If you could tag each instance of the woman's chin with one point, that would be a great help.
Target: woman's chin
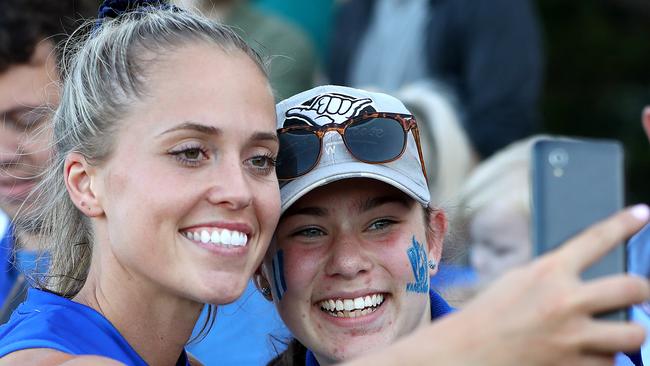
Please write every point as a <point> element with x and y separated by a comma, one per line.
<point>223,293</point>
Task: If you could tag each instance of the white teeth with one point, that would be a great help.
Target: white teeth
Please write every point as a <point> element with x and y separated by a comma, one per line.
<point>348,304</point>
<point>238,238</point>
<point>367,301</point>
<point>218,237</point>
<point>226,237</point>
<point>205,237</point>
<point>339,305</point>
<point>351,308</point>
<point>215,238</point>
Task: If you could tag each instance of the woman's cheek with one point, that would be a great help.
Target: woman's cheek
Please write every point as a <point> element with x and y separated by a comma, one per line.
<point>301,267</point>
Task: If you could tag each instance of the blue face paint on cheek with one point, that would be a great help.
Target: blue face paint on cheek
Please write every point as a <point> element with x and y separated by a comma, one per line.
<point>278,274</point>
<point>418,258</point>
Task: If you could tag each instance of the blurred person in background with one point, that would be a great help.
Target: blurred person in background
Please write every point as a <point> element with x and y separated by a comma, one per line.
<point>445,145</point>
<point>494,212</point>
<point>488,53</point>
<point>29,32</point>
<point>449,160</point>
<point>314,17</point>
<point>638,262</point>
<point>293,64</point>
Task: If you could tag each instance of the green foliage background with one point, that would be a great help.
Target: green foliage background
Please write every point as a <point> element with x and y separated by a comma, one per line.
<point>598,77</point>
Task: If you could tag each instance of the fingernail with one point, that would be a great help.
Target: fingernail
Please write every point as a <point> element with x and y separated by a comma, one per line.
<point>641,212</point>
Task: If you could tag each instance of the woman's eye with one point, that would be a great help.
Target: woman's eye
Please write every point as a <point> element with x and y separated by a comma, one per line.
<point>382,224</point>
<point>310,232</point>
<point>262,163</point>
<point>190,156</point>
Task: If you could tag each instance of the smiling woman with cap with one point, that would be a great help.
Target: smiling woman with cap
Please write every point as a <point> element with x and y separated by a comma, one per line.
<point>357,241</point>
<point>359,237</point>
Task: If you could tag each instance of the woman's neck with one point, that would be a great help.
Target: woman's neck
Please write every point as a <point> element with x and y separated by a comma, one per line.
<point>155,322</point>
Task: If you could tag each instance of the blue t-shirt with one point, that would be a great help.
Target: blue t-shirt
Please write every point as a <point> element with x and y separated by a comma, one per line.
<point>638,263</point>
<point>8,272</point>
<point>439,308</point>
<point>46,320</point>
<point>244,333</point>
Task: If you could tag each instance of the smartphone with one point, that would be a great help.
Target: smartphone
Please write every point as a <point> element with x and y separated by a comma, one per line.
<point>576,183</point>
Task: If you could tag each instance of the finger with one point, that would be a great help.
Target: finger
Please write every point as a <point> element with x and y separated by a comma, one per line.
<point>606,359</point>
<point>595,360</point>
<point>590,245</point>
<point>612,292</point>
<point>603,336</point>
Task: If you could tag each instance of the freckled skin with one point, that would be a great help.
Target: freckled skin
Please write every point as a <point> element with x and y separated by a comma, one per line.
<point>351,250</point>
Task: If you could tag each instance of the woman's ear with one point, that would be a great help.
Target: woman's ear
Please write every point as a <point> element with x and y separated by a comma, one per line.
<point>262,284</point>
<point>79,175</point>
<point>436,230</point>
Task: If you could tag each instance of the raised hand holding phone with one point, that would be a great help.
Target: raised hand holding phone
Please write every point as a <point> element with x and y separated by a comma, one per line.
<point>540,314</point>
<point>576,183</point>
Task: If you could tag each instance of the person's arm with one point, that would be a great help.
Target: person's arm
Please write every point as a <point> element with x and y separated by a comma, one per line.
<point>538,314</point>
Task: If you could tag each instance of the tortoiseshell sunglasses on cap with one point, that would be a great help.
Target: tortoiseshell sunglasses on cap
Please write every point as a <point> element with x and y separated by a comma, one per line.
<point>373,138</point>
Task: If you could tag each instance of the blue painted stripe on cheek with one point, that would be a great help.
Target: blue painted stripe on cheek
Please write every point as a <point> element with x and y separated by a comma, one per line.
<point>278,274</point>
<point>418,258</point>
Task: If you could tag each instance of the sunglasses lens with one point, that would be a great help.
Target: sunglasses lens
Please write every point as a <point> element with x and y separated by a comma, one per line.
<point>299,151</point>
<point>375,140</point>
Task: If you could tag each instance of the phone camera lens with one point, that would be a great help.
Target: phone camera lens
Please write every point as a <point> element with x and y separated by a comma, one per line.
<point>558,158</point>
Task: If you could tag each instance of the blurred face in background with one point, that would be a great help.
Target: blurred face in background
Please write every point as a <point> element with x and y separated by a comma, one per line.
<point>28,92</point>
<point>646,120</point>
<point>500,238</point>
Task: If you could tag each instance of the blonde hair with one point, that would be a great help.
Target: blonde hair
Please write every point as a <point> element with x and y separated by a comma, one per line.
<point>105,71</point>
<point>448,152</point>
<point>505,174</point>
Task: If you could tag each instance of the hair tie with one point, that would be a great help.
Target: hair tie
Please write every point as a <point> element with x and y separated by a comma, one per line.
<point>112,9</point>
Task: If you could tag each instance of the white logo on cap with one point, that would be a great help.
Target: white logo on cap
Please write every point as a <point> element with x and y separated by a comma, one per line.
<point>330,147</point>
<point>328,108</point>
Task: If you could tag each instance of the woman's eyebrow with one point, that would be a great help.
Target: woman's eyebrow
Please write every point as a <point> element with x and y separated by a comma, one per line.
<point>193,126</point>
<point>375,202</point>
<point>308,211</point>
<point>265,136</point>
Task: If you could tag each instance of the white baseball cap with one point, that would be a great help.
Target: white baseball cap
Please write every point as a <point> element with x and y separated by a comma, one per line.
<point>336,104</point>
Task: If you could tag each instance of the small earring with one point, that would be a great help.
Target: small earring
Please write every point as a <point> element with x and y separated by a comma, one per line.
<point>432,264</point>
<point>266,291</point>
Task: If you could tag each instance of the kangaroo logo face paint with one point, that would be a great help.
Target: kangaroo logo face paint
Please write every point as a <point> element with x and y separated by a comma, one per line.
<point>418,258</point>
<point>278,274</point>
<point>327,108</point>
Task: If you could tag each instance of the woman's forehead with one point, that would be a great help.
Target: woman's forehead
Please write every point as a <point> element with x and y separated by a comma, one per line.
<point>348,195</point>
